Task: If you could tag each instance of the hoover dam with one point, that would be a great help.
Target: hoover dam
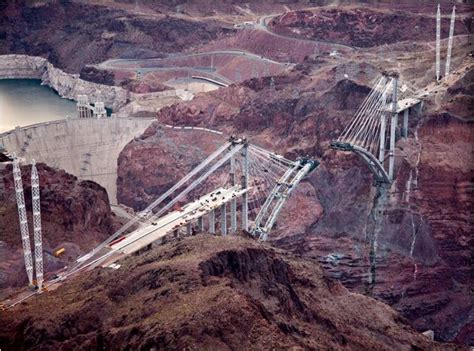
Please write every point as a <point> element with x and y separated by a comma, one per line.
<point>85,147</point>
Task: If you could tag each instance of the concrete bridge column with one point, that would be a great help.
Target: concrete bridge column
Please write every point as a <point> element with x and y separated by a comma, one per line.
<point>201,224</point>
<point>188,229</point>
<point>244,184</point>
<point>233,202</point>
<point>223,219</point>
<point>212,222</point>
<point>420,108</point>
<point>405,123</point>
<point>393,130</point>
<point>383,128</point>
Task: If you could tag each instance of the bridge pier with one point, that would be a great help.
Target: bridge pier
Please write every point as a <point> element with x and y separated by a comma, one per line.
<point>233,203</point>
<point>420,108</point>
<point>188,229</point>
<point>212,222</point>
<point>201,224</point>
<point>393,130</point>
<point>244,184</point>
<point>223,220</point>
<point>405,123</point>
<point>383,128</point>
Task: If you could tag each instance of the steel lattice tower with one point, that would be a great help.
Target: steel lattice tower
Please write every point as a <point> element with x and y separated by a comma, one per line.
<point>37,225</point>
<point>438,43</point>
<point>25,235</point>
<point>450,41</point>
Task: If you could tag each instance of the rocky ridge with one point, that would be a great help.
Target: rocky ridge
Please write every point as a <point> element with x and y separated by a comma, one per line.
<point>209,292</point>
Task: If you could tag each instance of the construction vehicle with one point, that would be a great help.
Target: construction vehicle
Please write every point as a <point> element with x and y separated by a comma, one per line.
<point>59,252</point>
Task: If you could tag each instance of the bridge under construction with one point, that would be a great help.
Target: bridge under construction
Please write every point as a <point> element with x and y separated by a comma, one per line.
<point>240,186</point>
<point>251,189</point>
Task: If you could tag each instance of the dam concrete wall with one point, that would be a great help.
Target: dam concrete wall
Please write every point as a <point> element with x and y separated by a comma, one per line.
<point>87,148</point>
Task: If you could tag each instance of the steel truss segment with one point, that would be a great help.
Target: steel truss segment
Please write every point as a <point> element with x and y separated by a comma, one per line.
<point>273,194</point>
<point>280,193</point>
<point>282,199</point>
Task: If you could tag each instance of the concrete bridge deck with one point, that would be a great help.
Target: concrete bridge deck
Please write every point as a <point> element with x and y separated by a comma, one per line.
<point>176,219</point>
<point>155,231</point>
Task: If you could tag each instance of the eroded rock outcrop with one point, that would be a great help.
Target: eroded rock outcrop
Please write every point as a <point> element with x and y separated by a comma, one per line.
<point>209,292</point>
<point>362,27</point>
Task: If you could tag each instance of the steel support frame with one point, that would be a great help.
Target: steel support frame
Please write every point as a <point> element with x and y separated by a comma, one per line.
<point>438,44</point>
<point>450,42</point>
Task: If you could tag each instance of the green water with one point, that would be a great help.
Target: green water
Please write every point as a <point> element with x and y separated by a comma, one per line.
<point>26,101</point>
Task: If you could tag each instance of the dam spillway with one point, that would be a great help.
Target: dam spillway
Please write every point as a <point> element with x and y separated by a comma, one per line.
<point>85,147</point>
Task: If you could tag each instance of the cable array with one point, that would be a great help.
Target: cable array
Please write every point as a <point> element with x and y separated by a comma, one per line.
<point>364,128</point>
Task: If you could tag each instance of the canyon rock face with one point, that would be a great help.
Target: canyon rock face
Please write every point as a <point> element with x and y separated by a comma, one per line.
<point>154,162</point>
<point>209,292</point>
<point>424,227</point>
<point>409,246</point>
<point>362,27</point>
<point>72,34</point>
<point>75,215</point>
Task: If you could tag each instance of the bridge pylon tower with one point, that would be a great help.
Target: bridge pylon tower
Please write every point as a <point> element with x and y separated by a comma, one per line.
<point>393,128</point>
<point>244,183</point>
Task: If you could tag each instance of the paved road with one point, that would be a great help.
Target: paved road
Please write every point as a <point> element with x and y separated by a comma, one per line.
<point>155,64</point>
<point>262,24</point>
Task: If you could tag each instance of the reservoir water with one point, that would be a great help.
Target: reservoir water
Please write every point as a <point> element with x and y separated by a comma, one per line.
<point>26,101</point>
